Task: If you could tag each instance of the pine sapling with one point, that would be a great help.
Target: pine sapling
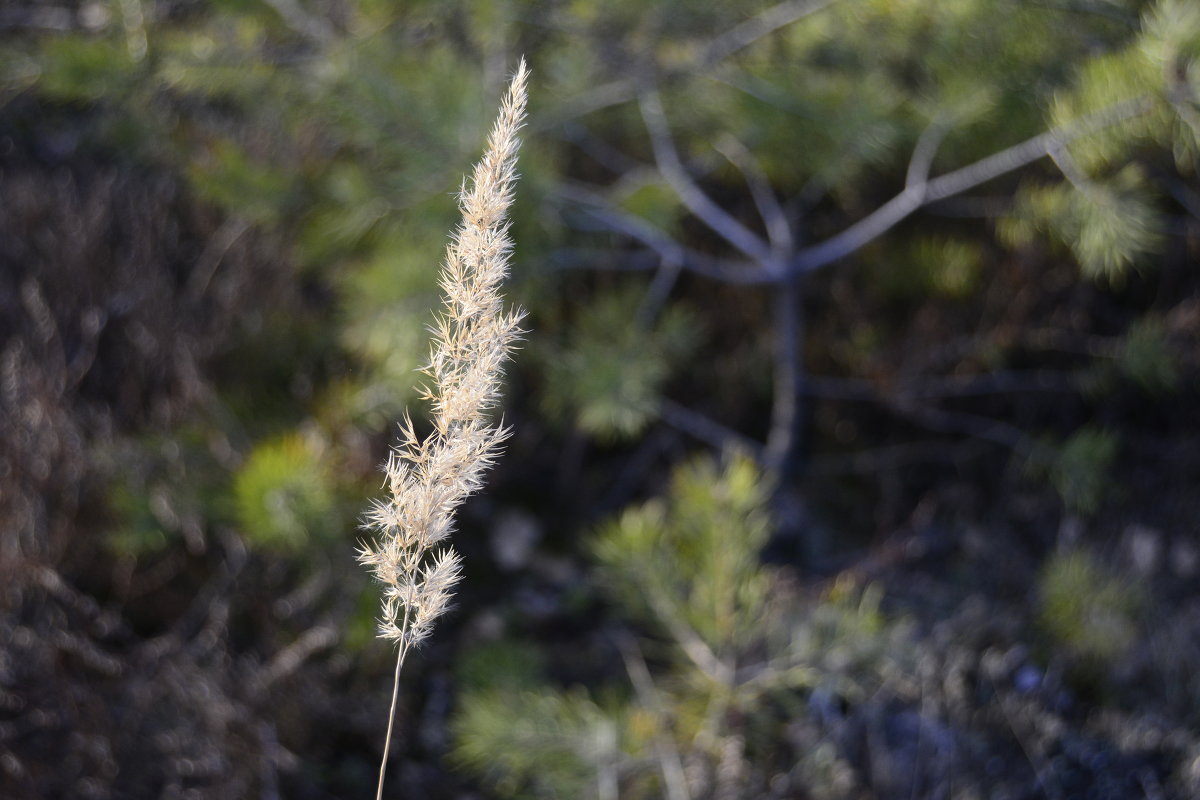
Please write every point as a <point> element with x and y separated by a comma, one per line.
<point>428,478</point>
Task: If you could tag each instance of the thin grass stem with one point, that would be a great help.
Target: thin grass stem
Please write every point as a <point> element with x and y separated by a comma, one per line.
<point>387,741</point>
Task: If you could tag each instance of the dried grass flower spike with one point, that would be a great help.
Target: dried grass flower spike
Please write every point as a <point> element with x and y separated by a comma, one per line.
<point>428,478</point>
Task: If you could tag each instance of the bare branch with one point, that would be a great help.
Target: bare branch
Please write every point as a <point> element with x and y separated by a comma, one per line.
<point>690,642</point>
<point>49,18</point>
<point>671,254</point>
<point>918,190</point>
<point>914,196</point>
<point>599,150</point>
<point>290,658</point>
<point>631,225</point>
<point>990,430</point>
<point>232,229</point>
<point>600,258</point>
<point>637,228</point>
<point>971,207</point>
<point>1032,149</point>
<point>669,762</point>
<point>895,457</point>
<point>1069,169</point>
<point>692,196</point>
<point>924,152</point>
<point>600,97</point>
<point>707,430</point>
<point>857,236</point>
<point>1101,9</point>
<point>762,24</point>
<point>658,292</point>
<point>779,232</point>
<point>1185,196</point>
<point>784,437</point>
<point>737,38</point>
<point>994,383</point>
<point>308,25</point>
<point>1181,96</point>
<point>983,384</point>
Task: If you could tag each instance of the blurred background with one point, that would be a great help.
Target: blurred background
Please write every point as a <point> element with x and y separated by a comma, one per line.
<point>856,440</point>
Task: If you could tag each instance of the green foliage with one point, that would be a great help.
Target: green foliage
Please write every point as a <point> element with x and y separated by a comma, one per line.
<point>1171,44</point>
<point>1158,68</point>
<point>1107,212</point>
<point>846,120</point>
<point>1171,36</point>
<point>1109,79</point>
<point>341,152</point>
<point>230,178</point>
<point>525,738</point>
<point>1079,471</point>
<point>1086,609</point>
<point>217,63</point>
<point>1108,225</point>
<point>83,68</point>
<point>284,496</point>
<point>607,376</point>
<point>164,492</point>
<point>938,265</point>
<point>654,201</point>
<point>954,265</point>
<point>138,531</point>
<point>1146,359</point>
<point>689,564</point>
<point>543,743</point>
<point>391,342</point>
<point>692,559</point>
<point>846,639</point>
<point>502,664</point>
<point>361,628</point>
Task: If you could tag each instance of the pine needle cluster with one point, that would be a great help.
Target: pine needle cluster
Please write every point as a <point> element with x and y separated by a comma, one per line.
<point>429,478</point>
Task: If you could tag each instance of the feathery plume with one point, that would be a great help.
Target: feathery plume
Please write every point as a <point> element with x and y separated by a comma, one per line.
<point>427,479</point>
